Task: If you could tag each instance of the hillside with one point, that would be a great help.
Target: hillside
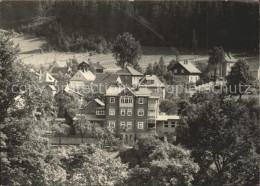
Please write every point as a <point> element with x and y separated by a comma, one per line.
<point>84,25</point>
<point>33,51</point>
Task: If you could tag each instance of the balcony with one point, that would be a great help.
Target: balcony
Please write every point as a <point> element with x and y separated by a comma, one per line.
<point>126,101</point>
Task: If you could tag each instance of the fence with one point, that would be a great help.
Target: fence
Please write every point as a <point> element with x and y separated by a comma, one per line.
<point>71,140</point>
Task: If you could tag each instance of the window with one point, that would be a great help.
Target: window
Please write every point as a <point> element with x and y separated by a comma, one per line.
<point>111,112</point>
<point>100,112</point>
<point>140,112</point>
<point>126,99</point>
<point>141,100</point>
<point>140,125</point>
<point>166,124</point>
<point>122,124</point>
<point>173,124</point>
<point>175,71</point>
<point>129,112</point>
<point>182,71</point>
<point>112,100</point>
<point>122,112</point>
<point>129,125</point>
<point>112,124</point>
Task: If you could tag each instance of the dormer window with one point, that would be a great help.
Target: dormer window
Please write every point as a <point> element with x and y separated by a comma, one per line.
<point>141,100</point>
<point>182,71</point>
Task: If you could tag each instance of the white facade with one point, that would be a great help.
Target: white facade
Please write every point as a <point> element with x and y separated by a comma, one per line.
<point>193,78</point>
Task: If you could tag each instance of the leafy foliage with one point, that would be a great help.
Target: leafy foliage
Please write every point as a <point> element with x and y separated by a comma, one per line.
<point>92,166</point>
<point>216,57</point>
<point>168,106</point>
<point>30,160</point>
<point>221,135</point>
<point>240,79</point>
<point>159,163</point>
<point>126,50</point>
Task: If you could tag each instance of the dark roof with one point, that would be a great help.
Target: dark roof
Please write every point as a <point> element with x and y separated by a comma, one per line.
<point>129,71</point>
<point>111,78</point>
<point>100,77</point>
<point>106,78</point>
<point>96,65</point>
<point>57,69</point>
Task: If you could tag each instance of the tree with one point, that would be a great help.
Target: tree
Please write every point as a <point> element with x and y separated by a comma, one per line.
<point>61,129</point>
<point>168,106</point>
<point>175,163</point>
<point>216,57</point>
<point>83,126</point>
<point>139,155</point>
<point>149,69</point>
<point>194,43</point>
<point>90,165</point>
<point>126,50</point>
<point>13,74</point>
<point>221,135</point>
<point>30,159</point>
<point>164,164</point>
<point>240,79</point>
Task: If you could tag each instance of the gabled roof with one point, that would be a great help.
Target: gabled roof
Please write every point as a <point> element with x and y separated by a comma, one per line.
<point>55,70</point>
<point>107,78</point>
<point>47,78</point>
<point>143,92</point>
<point>100,77</point>
<point>96,65</point>
<point>53,88</point>
<point>99,102</point>
<point>189,67</point>
<point>151,81</point>
<point>112,78</point>
<point>229,58</point>
<point>129,71</point>
<point>84,76</point>
<point>114,91</point>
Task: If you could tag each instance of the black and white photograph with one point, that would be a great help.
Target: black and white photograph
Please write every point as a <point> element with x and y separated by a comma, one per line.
<point>129,92</point>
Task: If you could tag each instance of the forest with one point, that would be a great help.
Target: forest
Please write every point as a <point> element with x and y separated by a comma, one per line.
<point>93,25</point>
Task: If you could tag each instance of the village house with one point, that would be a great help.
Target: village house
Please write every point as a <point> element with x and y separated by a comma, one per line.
<point>81,78</point>
<point>225,66</point>
<point>95,111</point>
<point>58,66</point>
<point>96,67</point>
<point>187,70</point>
<point>129,76</point>
<point>152,82</point>
<point>134,113</point>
